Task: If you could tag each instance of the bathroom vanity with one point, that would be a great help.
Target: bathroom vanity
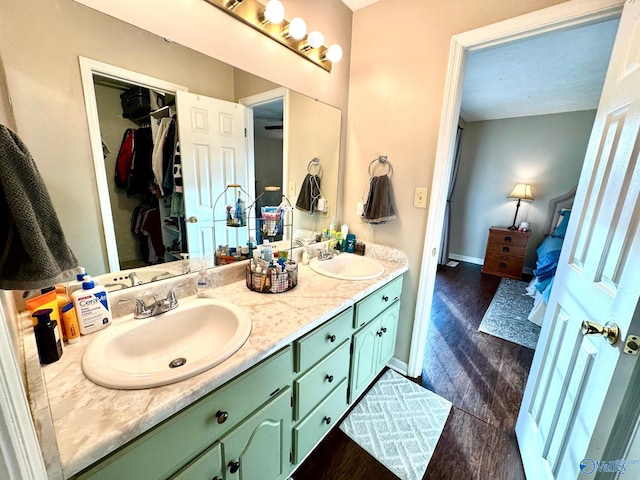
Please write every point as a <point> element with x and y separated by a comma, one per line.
<point>311,353</point>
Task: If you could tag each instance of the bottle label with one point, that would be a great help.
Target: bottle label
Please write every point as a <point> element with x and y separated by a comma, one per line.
<point>93,309</point>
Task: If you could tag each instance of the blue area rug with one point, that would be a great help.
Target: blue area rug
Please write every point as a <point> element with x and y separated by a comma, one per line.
<point>507,314</point>
<point>399,423</point>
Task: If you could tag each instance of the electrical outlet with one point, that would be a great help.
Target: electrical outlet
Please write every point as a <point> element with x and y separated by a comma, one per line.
<point>420,197</point>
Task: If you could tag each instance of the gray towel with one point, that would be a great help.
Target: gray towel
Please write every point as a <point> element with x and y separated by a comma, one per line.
<point>33,250</point>
<point>309,193</point>
<point>378,207</point>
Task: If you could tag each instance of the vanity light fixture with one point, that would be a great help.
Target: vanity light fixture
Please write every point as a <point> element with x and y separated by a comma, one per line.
<point>297,29</point>
<point>269,20</point>
<point>333,54</point>
<point>273,12</point>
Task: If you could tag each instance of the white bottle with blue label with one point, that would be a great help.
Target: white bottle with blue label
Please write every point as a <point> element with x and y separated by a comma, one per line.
<point>92,307</point>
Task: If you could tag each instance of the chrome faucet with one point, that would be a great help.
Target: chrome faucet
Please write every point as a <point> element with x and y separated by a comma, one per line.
<point>327,254</point>
<point>135,279</point>
<point>142,310</point>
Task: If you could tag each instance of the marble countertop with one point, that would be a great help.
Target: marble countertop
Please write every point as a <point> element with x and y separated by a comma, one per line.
<point>88,421</point>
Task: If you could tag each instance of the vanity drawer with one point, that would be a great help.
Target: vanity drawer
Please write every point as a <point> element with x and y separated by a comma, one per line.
<point>370,307</point>
<point>170,445</point>
<point>319,343</point>
<point>206,466</point>
<point>308,432</point>
<point>318,382</point>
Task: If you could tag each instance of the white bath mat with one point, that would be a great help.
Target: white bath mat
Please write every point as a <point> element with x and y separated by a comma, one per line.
<point>398,422</point>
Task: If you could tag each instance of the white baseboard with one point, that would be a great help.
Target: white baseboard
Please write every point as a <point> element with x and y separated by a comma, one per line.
<point>465,258</point>
<point>401,367</point>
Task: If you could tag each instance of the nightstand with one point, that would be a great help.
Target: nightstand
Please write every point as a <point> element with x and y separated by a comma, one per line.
<point>505,252</point>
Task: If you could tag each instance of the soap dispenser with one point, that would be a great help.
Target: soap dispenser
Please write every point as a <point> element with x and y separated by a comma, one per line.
<point>48,338</point>
<point>203,283</point>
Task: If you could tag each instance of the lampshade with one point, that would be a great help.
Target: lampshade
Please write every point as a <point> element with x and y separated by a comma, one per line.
<point>521,191</point>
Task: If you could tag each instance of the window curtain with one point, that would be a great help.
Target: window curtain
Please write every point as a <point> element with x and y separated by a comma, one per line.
<point>444,245</point>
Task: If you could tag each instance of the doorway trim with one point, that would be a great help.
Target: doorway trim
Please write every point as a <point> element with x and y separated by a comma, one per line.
<point>562,16</point>
<point>88,68</point>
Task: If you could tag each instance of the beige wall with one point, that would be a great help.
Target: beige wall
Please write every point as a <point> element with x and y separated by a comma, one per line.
<point>546,151</point>
<point>398,67</point>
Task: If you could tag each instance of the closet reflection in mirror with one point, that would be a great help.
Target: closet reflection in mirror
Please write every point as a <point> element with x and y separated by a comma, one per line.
<point>51,106</point>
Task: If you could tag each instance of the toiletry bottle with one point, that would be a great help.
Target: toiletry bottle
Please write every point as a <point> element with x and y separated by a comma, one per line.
<point>92,307</point>
<point>47,335</point>
<point>62,298</point>
<point>70,323</point>
<point>267,252</point>
<point>350,243</point>
<point>77,283</point>
<point>203,283</point>
<point>47,299</point>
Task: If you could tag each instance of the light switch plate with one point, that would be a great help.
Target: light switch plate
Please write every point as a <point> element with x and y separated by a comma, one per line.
<point>420,197</point>
<point>292,189</point>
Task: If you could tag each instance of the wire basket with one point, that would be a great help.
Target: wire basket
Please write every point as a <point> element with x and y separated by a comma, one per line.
<point>272,279</point>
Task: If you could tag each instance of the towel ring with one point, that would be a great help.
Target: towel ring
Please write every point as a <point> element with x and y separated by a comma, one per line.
<point>383,160</point>
<point>314,162</point>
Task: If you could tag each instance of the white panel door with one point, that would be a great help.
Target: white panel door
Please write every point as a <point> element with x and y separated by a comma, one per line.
<point>214,154</point>
<point>577,383</point>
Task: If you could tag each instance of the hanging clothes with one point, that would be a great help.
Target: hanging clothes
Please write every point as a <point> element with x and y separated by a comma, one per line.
<point>124,158</point>
<point>158,154</point>
<point>141,174</point>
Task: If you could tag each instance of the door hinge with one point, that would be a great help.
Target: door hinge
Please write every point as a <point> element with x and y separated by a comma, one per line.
<point>632,345</point>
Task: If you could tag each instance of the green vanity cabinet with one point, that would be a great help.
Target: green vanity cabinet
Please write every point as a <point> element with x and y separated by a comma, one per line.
<point>371,306</point>
<point>373,344</point>
<point>259,448</point>
<point>168,447</point>
<point>320,390</point>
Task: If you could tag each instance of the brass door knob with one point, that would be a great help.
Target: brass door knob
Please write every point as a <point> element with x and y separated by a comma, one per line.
<point>192,219</point>
<point>609,330</point>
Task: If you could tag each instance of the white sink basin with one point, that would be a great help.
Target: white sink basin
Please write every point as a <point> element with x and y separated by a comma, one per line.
<point>347,267</point>
<point>167,348</point>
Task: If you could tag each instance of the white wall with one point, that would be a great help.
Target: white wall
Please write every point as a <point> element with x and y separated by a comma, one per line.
<point>545,151</point>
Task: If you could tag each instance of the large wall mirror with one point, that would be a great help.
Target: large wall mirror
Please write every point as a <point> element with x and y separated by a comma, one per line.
<point>69,114</point>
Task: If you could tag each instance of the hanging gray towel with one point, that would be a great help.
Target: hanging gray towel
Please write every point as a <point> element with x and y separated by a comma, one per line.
<point>33,250</point>
<point>309,193</point>
<point>378,207</point>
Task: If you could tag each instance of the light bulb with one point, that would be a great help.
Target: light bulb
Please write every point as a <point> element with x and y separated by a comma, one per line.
<point>315,39</point>
<point>334,53</point>
<point>274,11</point>
<point>297,28</point>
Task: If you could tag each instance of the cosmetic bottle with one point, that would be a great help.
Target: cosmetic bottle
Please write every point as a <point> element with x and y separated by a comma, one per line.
<point>70,323</point>
<point>48,339</point>
<point>203,283</point>
<point>350,243</point>
<point>92,307</point>
<point>47,299</point>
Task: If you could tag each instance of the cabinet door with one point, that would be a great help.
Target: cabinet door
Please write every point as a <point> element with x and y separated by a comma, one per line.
<point>386,334</point>
<point>364,364</point>
<point>207,466</point>
<point>259,448</point>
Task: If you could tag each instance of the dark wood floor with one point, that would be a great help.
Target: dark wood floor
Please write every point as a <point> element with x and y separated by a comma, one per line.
<point>481,375</point>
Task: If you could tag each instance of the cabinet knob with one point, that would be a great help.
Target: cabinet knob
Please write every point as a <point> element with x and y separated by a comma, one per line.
<point>379,333</point>
<point>327,420</point>
<point>385,298</point>
<point>221,416</point>
<point>329,378</point>
<point>331,338</point>
<point>384,329</point>
<point>192,219</point>
<point>234,466</point>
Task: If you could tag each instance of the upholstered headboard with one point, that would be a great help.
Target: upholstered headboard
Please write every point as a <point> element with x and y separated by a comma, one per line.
<point>564,201</point>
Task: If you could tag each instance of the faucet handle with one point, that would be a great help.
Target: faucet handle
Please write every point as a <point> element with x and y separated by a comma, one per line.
<point>171,295</point>
<point>141,310</point>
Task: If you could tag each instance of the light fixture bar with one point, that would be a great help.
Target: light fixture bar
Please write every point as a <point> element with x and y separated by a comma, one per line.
<point>250,12</point>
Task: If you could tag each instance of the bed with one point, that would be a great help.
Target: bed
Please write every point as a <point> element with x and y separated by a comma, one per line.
<point>548,253</point>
